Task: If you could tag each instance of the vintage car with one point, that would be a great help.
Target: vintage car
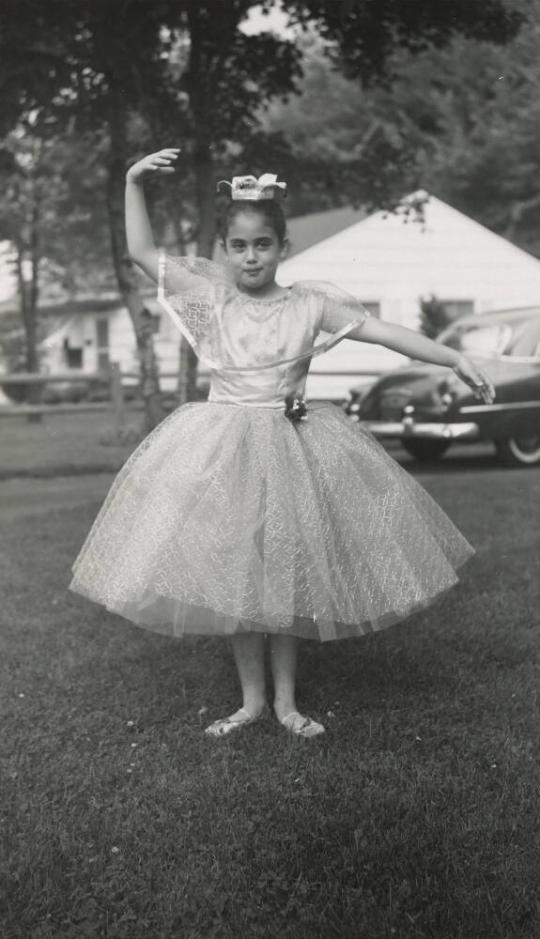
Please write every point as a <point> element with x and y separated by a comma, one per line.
<point>427,407</point>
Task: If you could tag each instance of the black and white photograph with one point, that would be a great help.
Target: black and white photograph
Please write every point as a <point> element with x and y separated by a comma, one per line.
<point>269,469</point>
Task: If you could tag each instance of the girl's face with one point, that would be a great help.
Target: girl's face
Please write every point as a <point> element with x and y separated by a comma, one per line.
<point>253,250</point>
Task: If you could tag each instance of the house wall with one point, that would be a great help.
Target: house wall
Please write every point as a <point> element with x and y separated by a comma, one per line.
<point>82,332</point>
<point>396,262</point>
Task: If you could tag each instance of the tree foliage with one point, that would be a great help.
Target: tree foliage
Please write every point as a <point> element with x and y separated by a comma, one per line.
<point>434,316</point>
<point>470,115</point>
<point>364,34</point>
<point>137,75</point>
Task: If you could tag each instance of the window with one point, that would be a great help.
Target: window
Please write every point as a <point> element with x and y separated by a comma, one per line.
<point>102,332</point>
<point>482,339</point>
<point>102,342</point>
<point>456,308</point>
<point>73,356</point>
<point>525,339</point>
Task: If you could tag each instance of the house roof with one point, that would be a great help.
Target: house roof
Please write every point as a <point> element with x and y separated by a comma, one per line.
<point>392,256</point>
<point>307,230</point>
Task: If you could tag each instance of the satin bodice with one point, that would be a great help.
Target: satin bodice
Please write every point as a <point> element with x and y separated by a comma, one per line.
<point>266,389</point>
<point>258,349</point>
<point>287,325</point>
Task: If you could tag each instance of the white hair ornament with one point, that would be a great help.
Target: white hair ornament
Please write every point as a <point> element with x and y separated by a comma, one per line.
<point>253,189</point>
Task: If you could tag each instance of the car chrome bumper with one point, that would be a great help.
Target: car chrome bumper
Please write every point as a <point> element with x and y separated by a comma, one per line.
<point>434,431</point>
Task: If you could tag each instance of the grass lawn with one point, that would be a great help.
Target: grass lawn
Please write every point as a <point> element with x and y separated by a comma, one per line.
<point>416,815</point>
<point>63,444</point>
<point>72,444</point>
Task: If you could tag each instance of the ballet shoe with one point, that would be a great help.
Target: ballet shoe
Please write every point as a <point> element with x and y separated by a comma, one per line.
<point>227,725</point>
<point>301,726</point>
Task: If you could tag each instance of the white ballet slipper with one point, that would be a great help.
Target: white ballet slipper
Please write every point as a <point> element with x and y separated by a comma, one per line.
<point>227,725</point>
<point>301,726</point>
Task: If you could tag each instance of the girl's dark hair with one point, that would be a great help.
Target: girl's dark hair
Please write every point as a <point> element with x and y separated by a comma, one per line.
<point>268,208</point>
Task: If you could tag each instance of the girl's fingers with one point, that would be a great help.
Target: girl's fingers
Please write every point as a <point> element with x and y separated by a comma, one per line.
<point>488,386</point>
<point>480,384</point>
<point>161,158</point>
<point>487,392</point>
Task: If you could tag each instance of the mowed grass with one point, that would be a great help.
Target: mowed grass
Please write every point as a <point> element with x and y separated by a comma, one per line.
<point>416,815</point>
<point>67,444</point>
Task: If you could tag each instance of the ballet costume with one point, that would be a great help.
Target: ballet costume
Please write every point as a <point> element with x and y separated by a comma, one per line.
<point>256,510</point>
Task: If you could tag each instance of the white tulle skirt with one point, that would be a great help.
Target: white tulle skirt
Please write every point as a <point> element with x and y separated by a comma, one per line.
<point>233,519</point>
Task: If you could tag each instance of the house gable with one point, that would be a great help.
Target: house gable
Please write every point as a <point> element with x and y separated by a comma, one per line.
<point>391,257</point>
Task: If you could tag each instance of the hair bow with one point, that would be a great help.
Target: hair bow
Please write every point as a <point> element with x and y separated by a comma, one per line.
<point>249,187</point>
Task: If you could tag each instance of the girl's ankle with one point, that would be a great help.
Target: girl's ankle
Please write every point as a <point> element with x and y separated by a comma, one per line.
<point>254,706</point>
<point>282,708</point>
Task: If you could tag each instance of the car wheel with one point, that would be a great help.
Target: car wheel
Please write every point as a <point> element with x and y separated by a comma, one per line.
<point>426,451</point>
<point>519,451</point>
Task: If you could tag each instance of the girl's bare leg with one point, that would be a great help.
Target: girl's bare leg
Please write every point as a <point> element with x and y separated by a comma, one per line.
<point>248,649</point>
<point>283,659</point>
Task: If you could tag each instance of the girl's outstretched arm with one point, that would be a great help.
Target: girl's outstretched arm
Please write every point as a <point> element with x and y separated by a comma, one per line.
<point>140,239</point>
<point>416,346</point>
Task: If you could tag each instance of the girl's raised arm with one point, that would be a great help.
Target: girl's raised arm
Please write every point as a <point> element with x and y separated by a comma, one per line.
<point>140,238</point>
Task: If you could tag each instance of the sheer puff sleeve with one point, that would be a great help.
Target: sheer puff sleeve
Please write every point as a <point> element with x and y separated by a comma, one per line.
<point>190,289</point>
<point>338,312</point>
<point>227,332</point>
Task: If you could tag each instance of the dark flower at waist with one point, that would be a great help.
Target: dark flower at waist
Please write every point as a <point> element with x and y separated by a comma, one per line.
<point>295,407</point>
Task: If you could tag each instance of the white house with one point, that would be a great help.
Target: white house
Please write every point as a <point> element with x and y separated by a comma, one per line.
<point>99,333</point>
<point>388,261</point>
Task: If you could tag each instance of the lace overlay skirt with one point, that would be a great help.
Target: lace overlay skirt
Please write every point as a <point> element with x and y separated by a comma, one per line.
<point>233,518</point>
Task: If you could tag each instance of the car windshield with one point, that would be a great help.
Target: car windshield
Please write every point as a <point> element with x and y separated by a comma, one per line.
<point>525,339</point>
<point>521,337</point>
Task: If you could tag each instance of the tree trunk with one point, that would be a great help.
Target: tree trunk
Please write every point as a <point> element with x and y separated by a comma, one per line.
<point>28,307</point>
<point>125,273</point>
<point>188,363</point>
<point>186,382</point>
<point>28,299</point>
<point>205,183</point>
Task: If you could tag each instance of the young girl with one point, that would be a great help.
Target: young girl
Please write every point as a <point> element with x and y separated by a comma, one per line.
<point>250,515</point>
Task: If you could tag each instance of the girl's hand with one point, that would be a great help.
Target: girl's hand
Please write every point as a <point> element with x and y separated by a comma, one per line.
<point>159,163</point>
<point>475,378</point>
